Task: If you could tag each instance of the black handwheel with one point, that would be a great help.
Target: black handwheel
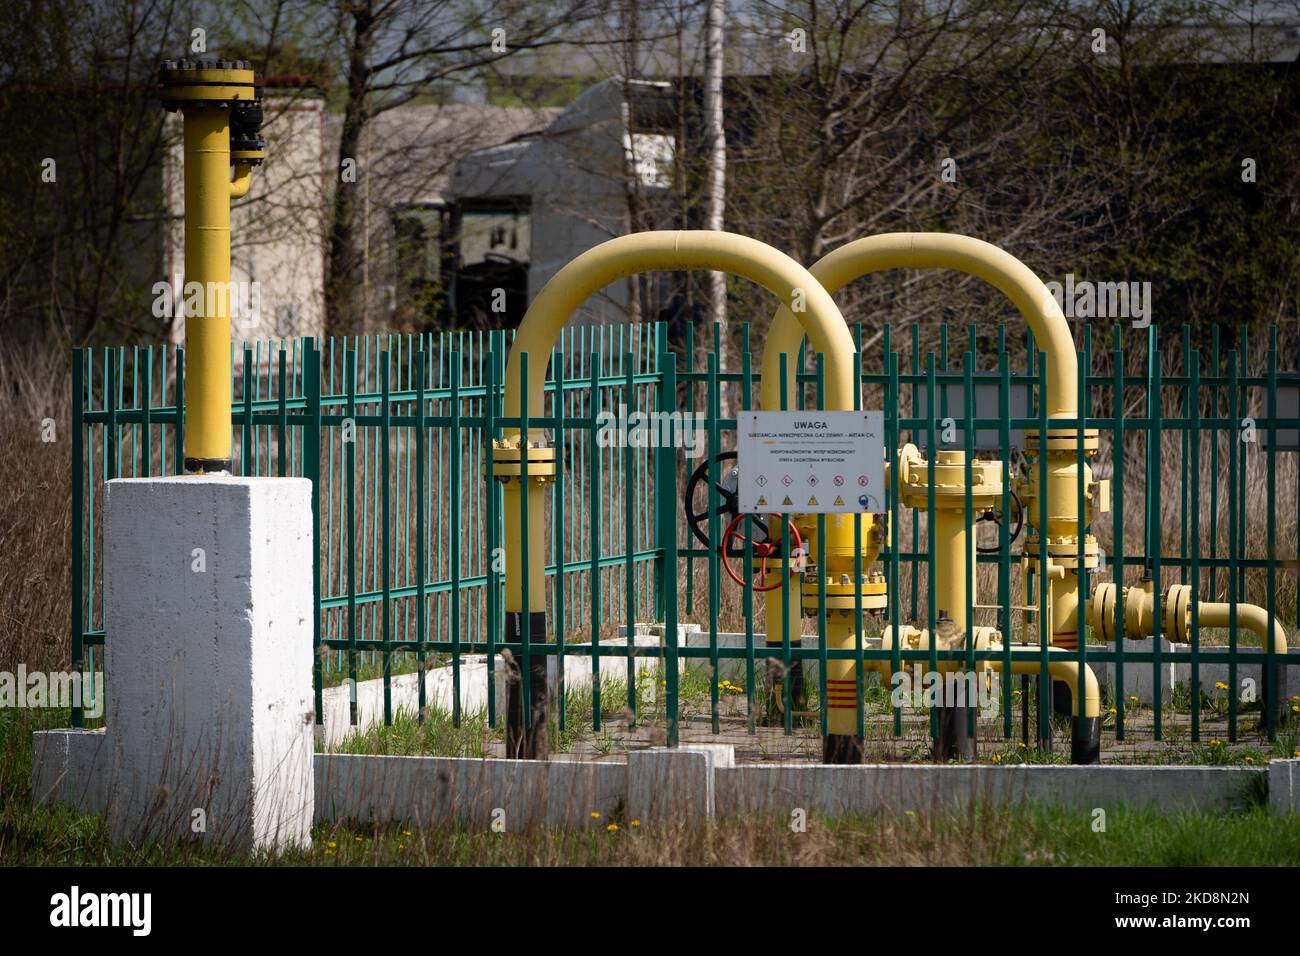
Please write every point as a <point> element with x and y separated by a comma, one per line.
<point>697,515</point>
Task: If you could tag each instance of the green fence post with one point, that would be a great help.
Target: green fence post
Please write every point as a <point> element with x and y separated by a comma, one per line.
<point>667,494</point>
<point>78,531</point>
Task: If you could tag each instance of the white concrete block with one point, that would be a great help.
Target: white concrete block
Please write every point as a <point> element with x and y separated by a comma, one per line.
<point>897,788</point>
<point>208,616</point>
<point>675,785</point>
<point>72,766</point>
<point>515,794</point>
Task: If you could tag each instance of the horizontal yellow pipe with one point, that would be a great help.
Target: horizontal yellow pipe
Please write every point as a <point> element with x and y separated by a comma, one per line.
<point>924,250</point>
<point>1064,670</point>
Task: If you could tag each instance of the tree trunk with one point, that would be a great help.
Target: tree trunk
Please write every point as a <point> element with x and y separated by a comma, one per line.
<point>716,135</point>
<point>342,303</point>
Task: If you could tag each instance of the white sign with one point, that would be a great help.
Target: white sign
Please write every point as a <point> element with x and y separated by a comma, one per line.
<point>811,462</point>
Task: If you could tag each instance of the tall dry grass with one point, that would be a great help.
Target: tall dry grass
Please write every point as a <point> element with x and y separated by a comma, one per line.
<point>35,508</point>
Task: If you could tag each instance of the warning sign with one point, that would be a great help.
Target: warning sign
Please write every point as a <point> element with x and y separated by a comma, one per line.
<point>844,449</point>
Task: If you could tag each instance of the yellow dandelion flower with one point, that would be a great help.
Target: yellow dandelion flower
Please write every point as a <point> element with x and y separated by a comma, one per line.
<point>1114,711</point>
<point>612,828</point>
<point>997,758</point>
<point>636,823</point>
<point>1133,698</point>
<point>1021,745</point>
<point>406,833</point>
<point>595,815</point>
<point>1220,685</point>
<point>331,844</point>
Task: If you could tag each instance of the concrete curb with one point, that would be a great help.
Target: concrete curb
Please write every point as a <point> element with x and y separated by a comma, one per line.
<point>696,783</point>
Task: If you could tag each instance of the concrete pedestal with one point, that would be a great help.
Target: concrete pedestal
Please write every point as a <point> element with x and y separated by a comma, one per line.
<point>208,616</point>
<point>673,785</point>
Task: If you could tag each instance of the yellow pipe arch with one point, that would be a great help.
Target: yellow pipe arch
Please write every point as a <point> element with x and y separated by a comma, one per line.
<point>983,260</point>
<point>938,250</point>
<point>639,252</point>
<point>816,314</point>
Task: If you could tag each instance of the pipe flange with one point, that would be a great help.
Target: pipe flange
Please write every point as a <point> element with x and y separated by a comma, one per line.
<point>507,462</point>
<point>843,596</point>
<point>948,472</point>
<point>246,144</point>
<point>184,83</point>
<point>1064,439</point>
<point>1178,612</point>
<point>1100,612</point>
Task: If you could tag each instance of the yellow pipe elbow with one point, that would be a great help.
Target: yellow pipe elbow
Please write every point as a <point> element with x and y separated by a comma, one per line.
<point>1250,616</point>
<point>1067,672</point>
<point>242,181</point>
<point>628,255</point>
<point>816,314</point>
<point>920,250</point>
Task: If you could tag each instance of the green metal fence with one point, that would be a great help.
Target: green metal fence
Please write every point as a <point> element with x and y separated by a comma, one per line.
<point>406,519</point>
<point>391,429</point>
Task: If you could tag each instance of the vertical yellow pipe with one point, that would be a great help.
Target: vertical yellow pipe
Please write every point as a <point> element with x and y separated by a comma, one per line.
<point>207,262</point>
<point>952,548</point>
<point>221,111</point>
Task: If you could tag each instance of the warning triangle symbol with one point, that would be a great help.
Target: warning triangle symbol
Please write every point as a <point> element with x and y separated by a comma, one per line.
<point>787,501</point>
<point>812,502</point>
<point>839,502</point>
<point>761,501</point>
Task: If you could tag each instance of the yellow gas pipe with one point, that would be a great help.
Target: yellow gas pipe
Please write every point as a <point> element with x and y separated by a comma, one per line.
<point>210,93</point>
<point>1176,608</point>
<point>559,299</point>
<point>1044,317</point>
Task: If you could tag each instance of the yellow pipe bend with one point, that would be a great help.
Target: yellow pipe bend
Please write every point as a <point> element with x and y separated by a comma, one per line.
<point>687,249</point>
<point>1066,671</point>
<point>938,250</point>
<point>243,179</point>
<point>1250,616</point>
<point>624,256</point>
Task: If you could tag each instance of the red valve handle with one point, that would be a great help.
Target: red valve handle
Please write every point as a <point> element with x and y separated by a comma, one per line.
<point>762,549</point>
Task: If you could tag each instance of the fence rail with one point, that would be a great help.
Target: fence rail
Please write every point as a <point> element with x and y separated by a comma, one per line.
<point>393,430</point>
